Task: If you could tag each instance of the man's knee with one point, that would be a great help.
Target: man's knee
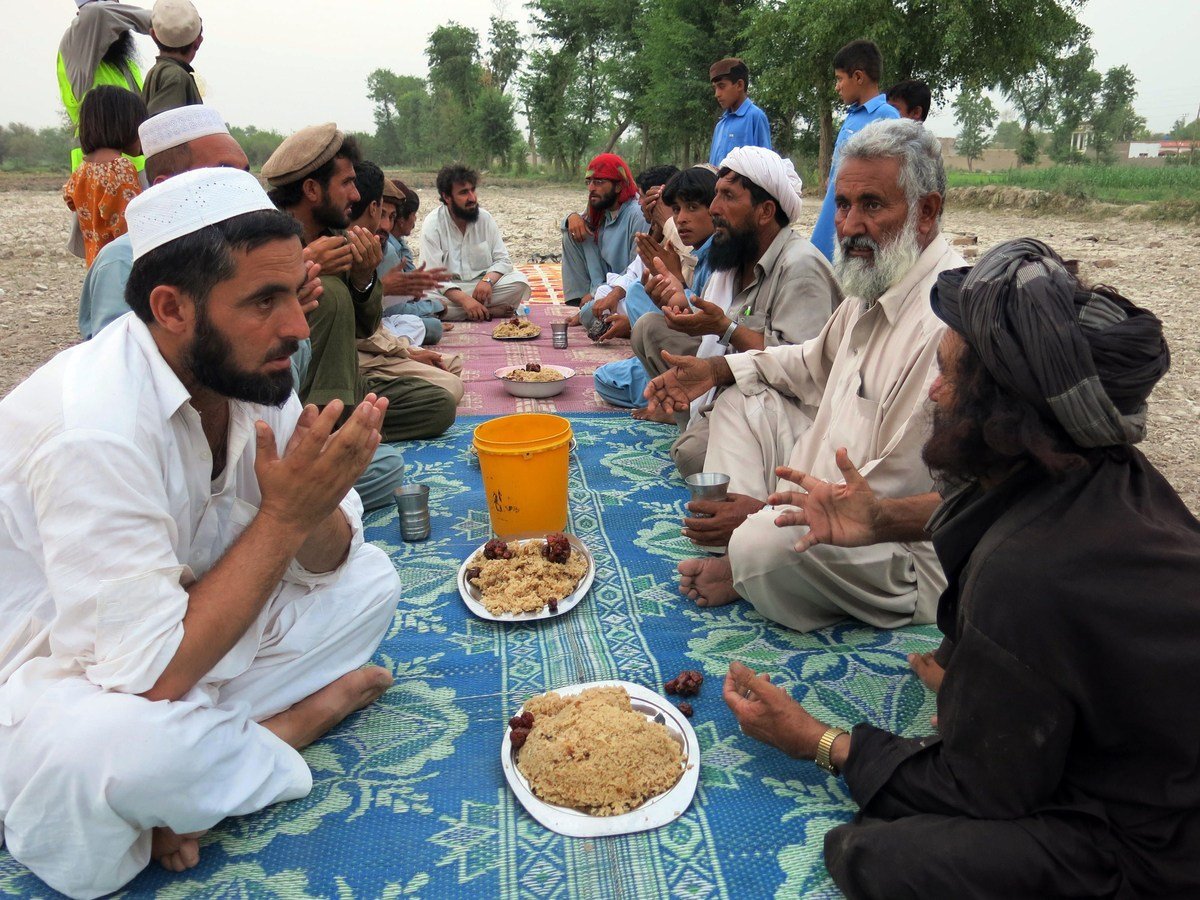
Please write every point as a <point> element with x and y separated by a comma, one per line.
<point>690,449</point>
<point>384,474</point>
<point>862,861</point>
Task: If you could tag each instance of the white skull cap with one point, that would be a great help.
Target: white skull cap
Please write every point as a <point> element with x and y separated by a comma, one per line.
<point>188,202</point>
<point>176,127</point>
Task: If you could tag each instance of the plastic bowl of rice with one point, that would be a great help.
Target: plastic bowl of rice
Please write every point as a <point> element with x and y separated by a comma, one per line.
<point>549,382</point>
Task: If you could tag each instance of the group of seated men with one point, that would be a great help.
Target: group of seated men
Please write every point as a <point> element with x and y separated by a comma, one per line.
<point>189,599</point>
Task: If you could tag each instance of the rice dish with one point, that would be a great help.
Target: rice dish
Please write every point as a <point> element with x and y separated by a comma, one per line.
<point>545,374</point>
<point>527,582</point>
<point>595,753</point>
<point>515,328</point>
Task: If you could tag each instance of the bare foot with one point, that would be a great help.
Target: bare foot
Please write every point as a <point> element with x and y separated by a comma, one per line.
<point>573,321</point>
<point>658,415</point>
<point>709,581</point>
<point>175,852</point>
<point>447,326</point>
<point>927,669</point>
<point>303,723</point>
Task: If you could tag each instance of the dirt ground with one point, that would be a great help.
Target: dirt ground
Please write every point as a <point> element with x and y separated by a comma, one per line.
<point>1156,265</point>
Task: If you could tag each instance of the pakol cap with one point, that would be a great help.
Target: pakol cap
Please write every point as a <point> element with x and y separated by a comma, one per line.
<point>176,127</point>
<point>303,153</point>
<point>391,192</point>
<point>175,23</point>
<point>188,202</point>
<point>723,68</point>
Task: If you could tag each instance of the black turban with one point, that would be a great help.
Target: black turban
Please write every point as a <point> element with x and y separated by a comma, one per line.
<point>1087,360</point>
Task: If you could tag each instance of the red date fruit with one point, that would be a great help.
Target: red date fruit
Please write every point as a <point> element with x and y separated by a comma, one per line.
<point>553,604</point>
<point>533,367</point>
<point>496,549</point>
<point>685,684</point>
<point>473,573</point>
<point>518,737</point>
<point>557,548</point>
<point>686,708</point>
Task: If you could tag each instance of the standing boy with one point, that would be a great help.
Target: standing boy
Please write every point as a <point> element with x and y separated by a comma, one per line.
<point>178,33</point>
<point>857,68</point>
<point>743,124</point>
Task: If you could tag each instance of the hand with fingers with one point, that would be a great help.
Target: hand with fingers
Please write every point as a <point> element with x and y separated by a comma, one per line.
<point>578,228</point>
<point>844,515</point>
<point>664,288</point>
<point>649,249</point>
<point>718,519</point>
<point>414,283</point>
<point>427,357</point>
<point>310,292</point>
<point>618,327</point>
<point>367,253</point>
<point>703,318</point>
<point>675,389</point>
<point>332,253</point>
<point>319,465</point>
<point>768,713</point>
<point>483,292</point>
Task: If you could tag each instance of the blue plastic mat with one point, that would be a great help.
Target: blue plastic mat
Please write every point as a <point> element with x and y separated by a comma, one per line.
<point>409,799</point>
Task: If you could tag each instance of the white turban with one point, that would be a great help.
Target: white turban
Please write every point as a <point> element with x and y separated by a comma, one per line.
<point>771,172</point>
<point>176,127</point>
<point>188,202</point>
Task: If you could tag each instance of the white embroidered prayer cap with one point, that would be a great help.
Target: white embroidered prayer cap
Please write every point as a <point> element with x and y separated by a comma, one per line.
<point>188,202</point>
<point>771,172</point>
<point>176,127</point>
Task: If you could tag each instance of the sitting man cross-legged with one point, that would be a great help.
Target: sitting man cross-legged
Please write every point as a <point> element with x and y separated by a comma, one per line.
<point>1064,763</point>
<point>187,597</point>
<point>768,287</point>
<point>601,242</point>
<point>861,384</point>
<point>463,238</point>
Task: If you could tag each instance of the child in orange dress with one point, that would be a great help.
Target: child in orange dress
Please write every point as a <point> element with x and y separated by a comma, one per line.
<point>100,189</point>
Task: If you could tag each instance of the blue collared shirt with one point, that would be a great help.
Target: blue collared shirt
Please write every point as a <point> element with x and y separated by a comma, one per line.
<point>103,296</point>
<point>746,126</point>
<point>858,116</point>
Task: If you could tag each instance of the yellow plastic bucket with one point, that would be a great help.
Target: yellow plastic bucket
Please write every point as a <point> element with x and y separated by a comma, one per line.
<point>524,459</point>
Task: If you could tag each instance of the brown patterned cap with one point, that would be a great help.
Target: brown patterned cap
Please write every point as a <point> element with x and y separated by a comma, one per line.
<point>303,153</point>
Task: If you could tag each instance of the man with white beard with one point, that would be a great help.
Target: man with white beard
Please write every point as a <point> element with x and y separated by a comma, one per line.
<point>861,384</point>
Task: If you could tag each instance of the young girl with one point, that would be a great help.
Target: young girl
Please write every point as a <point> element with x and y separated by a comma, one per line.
<point>100,189</point>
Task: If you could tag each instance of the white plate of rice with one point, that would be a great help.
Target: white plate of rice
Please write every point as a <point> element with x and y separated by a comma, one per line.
<point>655,812</point>
<point>474,601</point>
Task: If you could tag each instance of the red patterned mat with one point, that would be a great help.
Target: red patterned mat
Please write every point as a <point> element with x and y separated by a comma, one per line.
<point>546,281</point>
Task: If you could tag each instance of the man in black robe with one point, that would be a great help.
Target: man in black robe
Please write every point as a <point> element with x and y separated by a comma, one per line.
<point>1067,758</point>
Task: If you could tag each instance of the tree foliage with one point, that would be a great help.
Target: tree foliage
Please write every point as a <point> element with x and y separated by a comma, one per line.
<point>975,114</point>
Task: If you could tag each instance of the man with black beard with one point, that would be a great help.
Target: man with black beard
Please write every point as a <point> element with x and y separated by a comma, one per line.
<point>1064,763</point>
<point>769,287</point>
<point>860,384</point>
<point>312,177</point>
<point>187,596</point>
<point>463,238</point>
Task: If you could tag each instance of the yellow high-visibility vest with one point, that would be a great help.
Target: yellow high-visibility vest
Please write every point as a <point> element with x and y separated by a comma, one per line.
<point>106,73</point>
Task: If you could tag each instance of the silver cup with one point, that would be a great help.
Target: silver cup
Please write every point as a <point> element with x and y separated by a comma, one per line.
<point>707,486</point>
<point>412,503</point>
<point>558,335</point>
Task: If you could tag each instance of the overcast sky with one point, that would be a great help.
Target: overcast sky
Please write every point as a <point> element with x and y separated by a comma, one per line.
<point>284,65</point>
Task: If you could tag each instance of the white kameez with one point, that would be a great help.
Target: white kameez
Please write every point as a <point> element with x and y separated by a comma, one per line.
<point>107,511</point>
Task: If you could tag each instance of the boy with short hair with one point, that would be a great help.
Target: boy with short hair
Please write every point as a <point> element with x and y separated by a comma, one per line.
<point>857,67</point>
<point>743,124</point>
<point>178,32</point>
<point>911,99</point>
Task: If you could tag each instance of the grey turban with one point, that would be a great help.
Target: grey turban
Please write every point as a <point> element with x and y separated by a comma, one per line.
<point>1088,360</point>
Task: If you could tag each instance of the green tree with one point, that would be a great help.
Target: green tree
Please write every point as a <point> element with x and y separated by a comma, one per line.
<point>1115,119</point>
<point>1007,135</point>
<point>1076,85</point>
<point>975,113</point>
<point>506,49</point>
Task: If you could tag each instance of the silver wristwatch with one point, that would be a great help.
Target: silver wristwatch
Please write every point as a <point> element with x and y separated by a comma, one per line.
<point>724,339</point>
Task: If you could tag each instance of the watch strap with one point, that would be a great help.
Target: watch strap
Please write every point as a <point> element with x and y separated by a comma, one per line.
<point>825,746</point>
<point>724,339</point>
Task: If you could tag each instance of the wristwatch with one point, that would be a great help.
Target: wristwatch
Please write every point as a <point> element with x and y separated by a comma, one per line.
<point>824,745</point>
<point>724,339</point>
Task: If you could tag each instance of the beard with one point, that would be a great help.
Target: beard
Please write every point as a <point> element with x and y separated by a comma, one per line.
<point>120,52</point>
<point>208,361</point>
<point>732,248</point>
<point>871,279</point>
<point>466,215</point>
<point>328,215</point>
<point>603,204</point>
<point>952,443</point>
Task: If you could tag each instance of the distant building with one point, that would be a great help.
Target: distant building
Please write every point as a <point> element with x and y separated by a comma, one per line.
<point>1159,149</point>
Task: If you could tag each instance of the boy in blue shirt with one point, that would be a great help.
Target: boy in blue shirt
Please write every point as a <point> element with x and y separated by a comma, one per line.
<point>857,67</point>
<point>743,124</point>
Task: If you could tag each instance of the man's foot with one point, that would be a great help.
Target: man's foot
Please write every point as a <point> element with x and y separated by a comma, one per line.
<point>709,582</point>
<point>175,852</point>
<point>303,723</point>
<point>927,669</point>
<point>447,326</point>
<point>574,321</point>
<point>659,415</point>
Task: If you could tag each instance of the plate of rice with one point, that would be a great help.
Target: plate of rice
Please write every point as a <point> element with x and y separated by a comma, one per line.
<point>534,381</point>
<point>522,583</point>
<point>516,329</point>
<point>602,758</point>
